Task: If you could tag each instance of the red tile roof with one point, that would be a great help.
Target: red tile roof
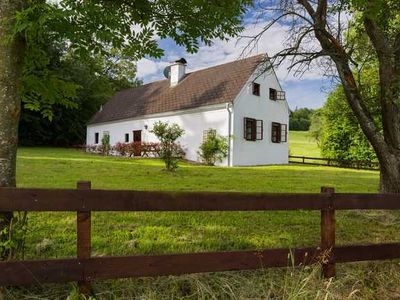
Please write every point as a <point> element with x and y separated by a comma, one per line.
<point>215,85</point>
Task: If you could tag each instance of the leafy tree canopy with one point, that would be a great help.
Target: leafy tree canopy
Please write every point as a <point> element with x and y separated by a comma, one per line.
<point>300,119</point>
<point>91,28</point>
<point>341,136</point>
<point>95,78</point>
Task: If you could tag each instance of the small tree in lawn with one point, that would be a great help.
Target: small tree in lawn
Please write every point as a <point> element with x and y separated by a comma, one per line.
<point>105,144</point>
<point>170,151</point>
<point>214,148</point>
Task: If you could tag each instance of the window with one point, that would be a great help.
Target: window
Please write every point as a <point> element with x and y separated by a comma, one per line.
<point>273,94</point>
<point>280,95</point>
<point>278,133</point>
<point>253,129</point>
<point>256,89</point>
<point>96,138</point>
<point>209,133</point>
<point>276,95</point>
<point>126,137</point>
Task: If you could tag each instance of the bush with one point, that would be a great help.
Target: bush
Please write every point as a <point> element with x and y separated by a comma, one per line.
<point>13,232</point>
<point>213,149</point>
<point>146,149</point>
<point>170,152</point>
<point>134,147</point>
<point>121,148</point>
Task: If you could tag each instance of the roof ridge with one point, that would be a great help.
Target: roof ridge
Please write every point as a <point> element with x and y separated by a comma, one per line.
<point>207,68</point>
<point>229,62</point>
<point>212,85</point>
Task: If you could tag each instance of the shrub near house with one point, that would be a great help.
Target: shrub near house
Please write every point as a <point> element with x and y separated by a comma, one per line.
<point>214,148</point>
<point>130,149</point>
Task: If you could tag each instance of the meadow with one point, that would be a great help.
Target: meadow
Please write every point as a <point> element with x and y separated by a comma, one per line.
<point>53,235</point>
<point>302,144</point>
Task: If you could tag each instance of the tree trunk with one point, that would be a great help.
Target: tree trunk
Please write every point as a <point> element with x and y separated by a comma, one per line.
<point>390,173</point>
<point>11,61</point>
<point>386,145</point>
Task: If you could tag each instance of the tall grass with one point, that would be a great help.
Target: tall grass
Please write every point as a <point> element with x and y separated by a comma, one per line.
<point>354,281</point>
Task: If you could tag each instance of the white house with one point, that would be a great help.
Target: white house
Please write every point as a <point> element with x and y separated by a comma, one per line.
<point>236,99</point>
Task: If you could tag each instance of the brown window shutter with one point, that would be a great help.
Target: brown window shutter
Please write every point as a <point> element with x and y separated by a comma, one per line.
<point>284,132</point>
<point>256,89</point>
<point>260,129</point>
<point>253,130</point>
<point>272,94</point>
<point>245,129</point>
<point>279,132</point>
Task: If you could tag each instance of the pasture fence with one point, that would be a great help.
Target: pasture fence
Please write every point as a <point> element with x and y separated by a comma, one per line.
<point>330,162</point>
<point>86,268</point>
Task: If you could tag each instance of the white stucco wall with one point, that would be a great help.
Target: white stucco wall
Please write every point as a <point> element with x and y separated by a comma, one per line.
<point>194,122</point>
<point>260,152</point>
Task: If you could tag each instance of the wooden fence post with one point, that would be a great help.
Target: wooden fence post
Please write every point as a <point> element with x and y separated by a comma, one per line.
<point>328,236</point>
<point>84,246</point>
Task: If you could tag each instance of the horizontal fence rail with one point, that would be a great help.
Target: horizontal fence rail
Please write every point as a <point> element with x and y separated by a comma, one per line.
<point>330,162</point>
<point>65,270</point>
<point>12,199</point>
<point>86,268</point>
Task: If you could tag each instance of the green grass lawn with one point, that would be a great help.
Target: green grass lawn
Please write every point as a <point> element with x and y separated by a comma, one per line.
<point>128,233</point>
<point>52,235</point>
<point>302,144</point>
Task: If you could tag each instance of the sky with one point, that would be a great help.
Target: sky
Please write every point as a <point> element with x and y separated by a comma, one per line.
<point>309,90</point>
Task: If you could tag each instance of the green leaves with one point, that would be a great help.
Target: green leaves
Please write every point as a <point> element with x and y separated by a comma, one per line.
<point>94,80</point>
<point>41,93</point>
<point>92,28</point>
<point>170,151</point>
<point>342,137</point>
<point>214,148</point>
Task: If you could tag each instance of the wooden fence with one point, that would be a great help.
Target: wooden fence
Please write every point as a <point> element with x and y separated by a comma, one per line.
<point>86,268</point>
<point>330,162</point>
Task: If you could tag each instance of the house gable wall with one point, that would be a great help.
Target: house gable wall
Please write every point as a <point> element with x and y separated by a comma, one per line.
<point>247,105</point>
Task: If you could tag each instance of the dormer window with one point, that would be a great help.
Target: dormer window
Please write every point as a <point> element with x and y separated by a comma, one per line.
<point>256,89</point>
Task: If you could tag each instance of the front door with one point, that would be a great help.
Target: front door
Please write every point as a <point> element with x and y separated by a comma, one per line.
<point>137,138</point>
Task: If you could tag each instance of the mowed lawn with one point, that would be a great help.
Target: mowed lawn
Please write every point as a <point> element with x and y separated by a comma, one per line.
<point>52,235</point>
<point>302,144</point>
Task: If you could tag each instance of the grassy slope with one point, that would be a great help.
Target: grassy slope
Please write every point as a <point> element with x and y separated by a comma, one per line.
<point>301,144</point>
<point>53,235</point>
